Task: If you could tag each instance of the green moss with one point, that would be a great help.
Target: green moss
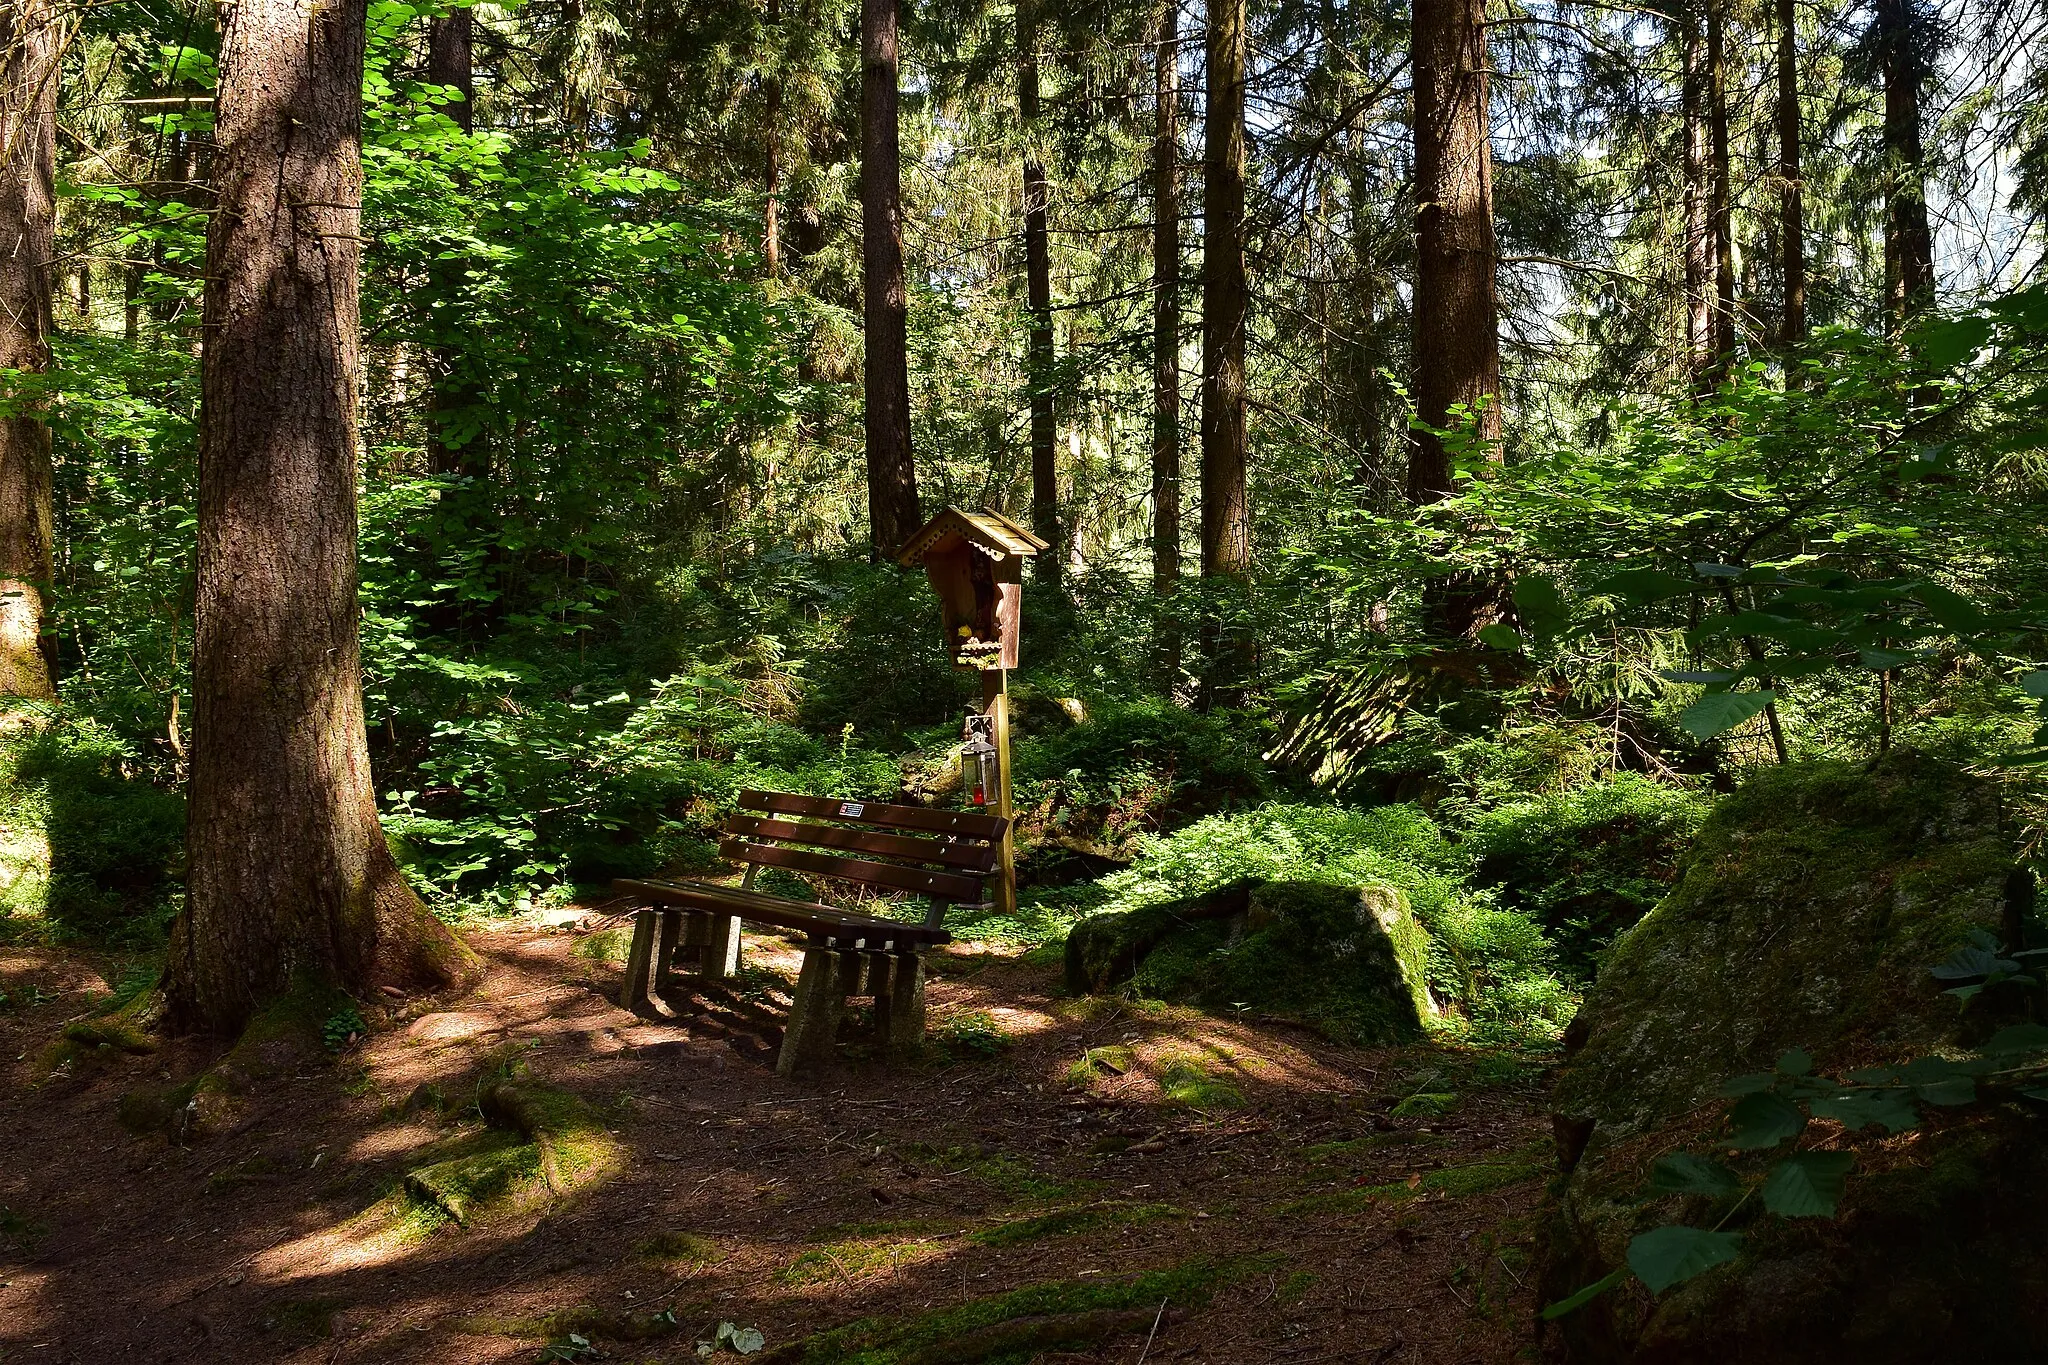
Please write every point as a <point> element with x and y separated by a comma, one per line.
<point>113,1031</point>
<point>972,1035</point>
<point>1098,1062</point>
<point>1351,961</point>
<point>460,1186</point>
<point>542,1143</point>
<point>1295,1287</point>
<point>1187,1081</point>
<point>999,1171</point>
<point>890,1341</point>
<point>1454,1182</point>
<point>1426,1105</point>
<point>606,945</point>
<point>583,1320</point>
<point>1811,907</point>
<point>891,1227</point>
<point>838,1259</point>
<point>685,1248</point>
<point>1068,1222</point>
<point>575,1146</point>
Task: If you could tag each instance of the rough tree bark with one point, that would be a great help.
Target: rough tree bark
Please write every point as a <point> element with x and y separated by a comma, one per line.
<point>449,63</point>
<point>1908,241</point>
<point>1045,486</point>
<point>1226,520</point>
<point>290,881</point>
<point>1698,244</point>
<point>29,29</point>
<point>1457,326</point>
<point>1166,332</point>
<point>1722,192</point>
<point>1792,211</point>
<point>771,214</point>
<point>892,471</point>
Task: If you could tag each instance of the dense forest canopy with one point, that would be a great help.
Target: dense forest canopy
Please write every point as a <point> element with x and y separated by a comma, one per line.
<point>1447,405</point>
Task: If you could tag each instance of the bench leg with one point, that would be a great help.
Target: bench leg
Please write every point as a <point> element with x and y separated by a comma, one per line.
<point>665,949</point>
<point>813,1030</point>
<point>899,1003</point>
<point>720,957</point>
<point>640,961</point>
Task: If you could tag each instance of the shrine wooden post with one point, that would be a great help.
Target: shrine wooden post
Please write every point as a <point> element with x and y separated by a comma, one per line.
<point>975,561</point>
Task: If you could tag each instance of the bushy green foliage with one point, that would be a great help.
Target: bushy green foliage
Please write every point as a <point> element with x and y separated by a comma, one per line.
<point>1588,862</point>
<point>1496,965</point>
<point>1139,762</point>
<point>88,850</point>
<point>574,790</point>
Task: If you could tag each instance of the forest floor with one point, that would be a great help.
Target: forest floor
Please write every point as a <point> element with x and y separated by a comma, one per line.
<point>1177,1186</point>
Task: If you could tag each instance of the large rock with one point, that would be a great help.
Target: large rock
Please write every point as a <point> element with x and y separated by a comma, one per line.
<point>1809,914</point>
<point>1348,960</point>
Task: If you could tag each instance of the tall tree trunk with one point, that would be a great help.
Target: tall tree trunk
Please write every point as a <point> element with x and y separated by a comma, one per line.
<point>1226,519</point>
<point>1457,318</point>
<point>771,214</point>
<point>290,880</point>
<point>1045,478</point>
<point>1792,223</point>
<point>1699,230</point>
<point>1457,323</point>
<point>892,472</point>
<point>1166,333</point>
<point>1723,205</point>
<point>449,63</point>
<point>28,227</point>
<point>1908,241</point>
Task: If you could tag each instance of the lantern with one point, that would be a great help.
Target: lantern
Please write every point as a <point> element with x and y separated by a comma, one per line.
<point>979,775</point>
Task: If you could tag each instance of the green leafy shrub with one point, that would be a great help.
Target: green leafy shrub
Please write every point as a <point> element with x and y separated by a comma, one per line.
<point>87,850</point>
<point>1494,965</point>
<point>1589,862</point>
<point>1131,767</point>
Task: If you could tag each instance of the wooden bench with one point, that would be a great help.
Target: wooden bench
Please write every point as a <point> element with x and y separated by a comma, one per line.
<point>945,856</point>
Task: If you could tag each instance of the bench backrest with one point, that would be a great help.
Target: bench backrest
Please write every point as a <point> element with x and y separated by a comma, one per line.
<point>944,854</point>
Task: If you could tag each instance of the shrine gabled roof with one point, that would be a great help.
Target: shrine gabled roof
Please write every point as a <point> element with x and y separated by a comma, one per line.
<point>992,533</point>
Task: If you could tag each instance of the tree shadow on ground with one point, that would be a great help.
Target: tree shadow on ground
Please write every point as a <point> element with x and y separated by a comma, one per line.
<point>976,1204</point>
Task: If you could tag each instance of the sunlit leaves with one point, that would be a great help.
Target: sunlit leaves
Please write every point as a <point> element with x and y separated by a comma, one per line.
<point>1718,712</point>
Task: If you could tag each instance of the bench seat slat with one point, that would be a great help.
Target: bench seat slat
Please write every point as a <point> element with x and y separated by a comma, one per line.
<point>921,818</point>
<point>971,857</point>
<point>945,886</point>
<point>782,912</point>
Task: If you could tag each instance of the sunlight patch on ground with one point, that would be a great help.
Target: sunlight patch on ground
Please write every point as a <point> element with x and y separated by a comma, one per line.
<point>389,1142</point>
<point>1173,1055</point>
<point>25,1314</point>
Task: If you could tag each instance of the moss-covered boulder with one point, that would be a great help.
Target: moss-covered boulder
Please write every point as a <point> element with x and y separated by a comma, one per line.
<point>1809,914</point>
<point>1348,960</point>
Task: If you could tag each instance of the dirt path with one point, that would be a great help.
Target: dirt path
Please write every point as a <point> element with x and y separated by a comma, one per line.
<point>1248,1177</point>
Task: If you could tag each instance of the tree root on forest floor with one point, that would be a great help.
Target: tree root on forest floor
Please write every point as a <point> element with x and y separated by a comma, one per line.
<point>542,1143</point>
